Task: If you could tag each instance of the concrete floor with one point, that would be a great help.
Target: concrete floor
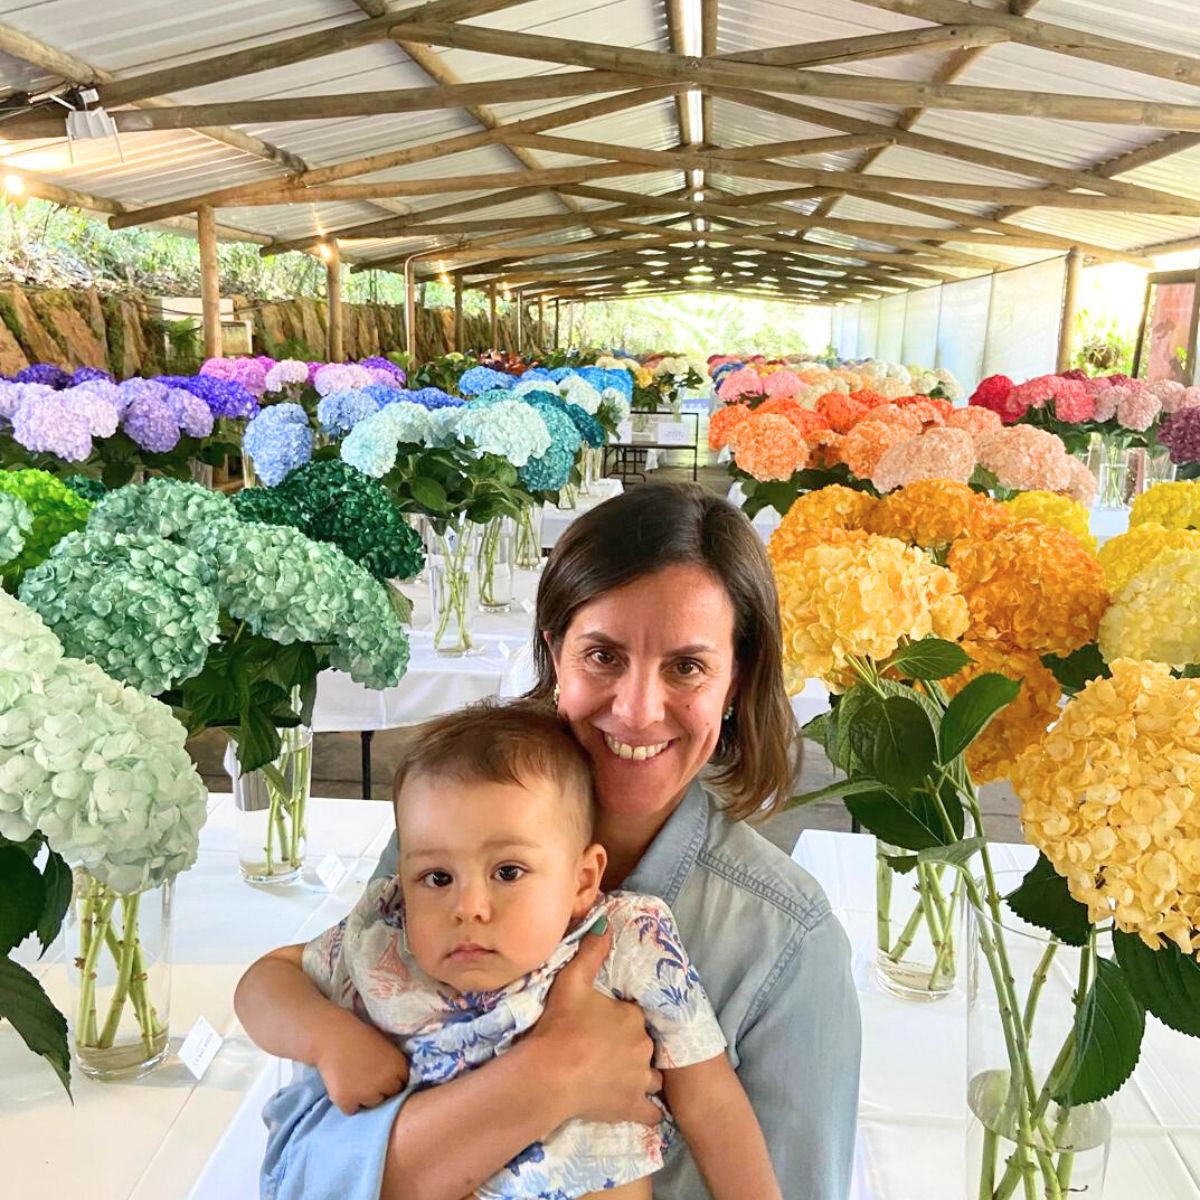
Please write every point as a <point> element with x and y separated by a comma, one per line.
<point>337,757</point>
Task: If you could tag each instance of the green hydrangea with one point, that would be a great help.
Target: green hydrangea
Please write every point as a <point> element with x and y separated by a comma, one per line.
<point>372,646</point>
<point>165,508</point>
<point>83,485</point>
<point>99,769</point>
<point>16,522</point>
<point>56,512</point>
<point>142,608</point>
<point>272,506</point>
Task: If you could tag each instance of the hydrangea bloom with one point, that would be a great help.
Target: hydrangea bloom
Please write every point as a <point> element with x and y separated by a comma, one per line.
<point>510,429</point>
<point>1180,434</point>
<point>100,770</point>
<point>339,412</point>
<point>933,513</point>
<point>939,453</point>
<point>1026,459</point>
<point>1156,614</point>
<point>165,508</point>
<point>249,372</point>
<point>341,377</point>
<point>768,447</point>
<point>1172,505</point>
<point>278,440</point>
<point>483,379</point>
<point>90,375</point>
<point>574,389</point>
<point>819,511</point>
<point>1128,553</point>
<point>377,362</point>
<point>51,425</point>
<point>723,422</point>
<point>55,508</point>
<point>151,423</point>
<point>226,398</point>
<point>140,607</point>
<point>45,373</point>
<point>1139,409</point>
<point>102,416</point>
<point>431,398</point>
<point>287,375</point>
<point>16,523</point>
<point>89,489</point>
<point>1053,509</point>
<point>552,470</point>
<point>589,428</point>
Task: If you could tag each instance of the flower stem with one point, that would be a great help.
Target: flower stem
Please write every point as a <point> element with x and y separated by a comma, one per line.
<point>128,944</point>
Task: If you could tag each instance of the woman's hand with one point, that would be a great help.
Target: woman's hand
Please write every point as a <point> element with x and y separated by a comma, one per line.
<point>599,1043</point>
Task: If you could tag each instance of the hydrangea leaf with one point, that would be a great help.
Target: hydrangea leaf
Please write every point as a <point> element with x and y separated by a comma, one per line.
<point>1044,900</point>
<point>1165,980</point>
<point>971,710</point>
<point>41,1026</point>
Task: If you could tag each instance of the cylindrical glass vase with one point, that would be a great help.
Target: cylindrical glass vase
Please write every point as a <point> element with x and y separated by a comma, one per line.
<point>450,567</point>
<point>272,809</point>
<point>494,565</point>
<point>121,977</point>
<point>1023,990</point>
<point>568,497</point>
<point>527,546</point>
<point>1115,483</point>
<point>917,918</point>
<point>1153,465</point>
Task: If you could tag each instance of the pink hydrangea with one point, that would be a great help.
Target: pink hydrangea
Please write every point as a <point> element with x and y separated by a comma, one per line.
<point>341,377</point>
<point>782,385</point>
<point>939,453</point>
<point>287,373</point>
<point>978,422</point>
<point>1108,400</point>
<point>219,368</point>
<point>1027,459</point>
<point>745,381</point>
<point>1138,409</point>
<point>1033,393</point>
<point>1073,403</point>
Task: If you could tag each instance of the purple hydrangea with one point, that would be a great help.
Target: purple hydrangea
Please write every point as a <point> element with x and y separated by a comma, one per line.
<point>90,375</point>
<point>191,414</point>
<point>107,391</point>
<point>377,362</point>
<point>102,415</point>
<point>226,398</point>
<point>1180,433</point>
<point>341,377</point>
<point>142,389</point>
<point>51,425</point>
<point>151,423</point>
<point>49,374</point>
<point>249,372</point>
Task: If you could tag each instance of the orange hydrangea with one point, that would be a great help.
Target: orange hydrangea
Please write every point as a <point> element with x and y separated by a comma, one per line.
<point>978,422</point>
<point>768,447</point>
<point>865,444</point>
<point>892,414</point>
<point>723,422</point>
<point>868,398</point>
<point>932,513</point>
<point>1031,585</point>
<point>1017,726</point>
<point>841,411</point>
<point>824,447</point>
<point>820,511</point>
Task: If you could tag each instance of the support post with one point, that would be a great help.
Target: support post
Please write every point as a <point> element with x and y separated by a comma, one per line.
<point>541,333</point>
<point>1070,304</point>
<point>557,321</point>
<point>210,280</point>
<point>492,313</point>
<point>520,322</point>
<point>458,313</point>
<point>335,345</point>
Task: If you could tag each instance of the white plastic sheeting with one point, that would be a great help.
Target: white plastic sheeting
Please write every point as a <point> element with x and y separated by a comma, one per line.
<point>868,330</point>
<point>1023,320</point>
<point>921,326</point>
<point>889,345</point>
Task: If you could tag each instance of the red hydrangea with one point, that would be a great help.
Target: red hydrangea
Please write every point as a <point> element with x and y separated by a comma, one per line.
<point>992,393</point>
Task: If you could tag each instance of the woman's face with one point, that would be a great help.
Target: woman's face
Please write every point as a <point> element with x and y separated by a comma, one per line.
<point>645,674</point>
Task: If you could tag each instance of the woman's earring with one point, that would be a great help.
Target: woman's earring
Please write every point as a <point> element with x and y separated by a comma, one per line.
<point>554,694</point>
<point>728,714</point>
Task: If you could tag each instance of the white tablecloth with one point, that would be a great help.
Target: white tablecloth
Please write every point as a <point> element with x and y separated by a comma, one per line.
<point>912,1109</point>
<point>167,1137</point>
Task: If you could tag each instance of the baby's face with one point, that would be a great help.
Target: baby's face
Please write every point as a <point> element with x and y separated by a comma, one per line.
<point>492,874</point>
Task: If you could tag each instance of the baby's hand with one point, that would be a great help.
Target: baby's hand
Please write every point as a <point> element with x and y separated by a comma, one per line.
<point>360,1066</point>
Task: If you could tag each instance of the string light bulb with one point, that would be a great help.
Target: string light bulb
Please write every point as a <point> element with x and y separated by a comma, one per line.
<point>14,185</point>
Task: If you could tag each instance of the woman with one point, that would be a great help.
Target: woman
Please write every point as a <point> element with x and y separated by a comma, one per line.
<point>659,641</point>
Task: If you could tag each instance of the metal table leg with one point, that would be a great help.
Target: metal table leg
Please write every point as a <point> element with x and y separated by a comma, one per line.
<point>367,737</point>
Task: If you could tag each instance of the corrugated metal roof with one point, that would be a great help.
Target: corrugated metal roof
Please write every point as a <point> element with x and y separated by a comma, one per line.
<point>132,36</point>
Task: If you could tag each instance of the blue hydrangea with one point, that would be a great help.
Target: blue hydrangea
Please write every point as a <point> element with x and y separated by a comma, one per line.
<point>385,393</point>
<point>46,373</point>
<point>535,373</point>
<point>493,396</point>
<point>549,473</point>
<point>339,412</point>
<point>371,444</point>
<point>483,379</point>
<point>563,432</point>
<point>589,428</point>
<point>575,389</point>
<point>431,398</point>
<point>561,373</point>
<point>225,397</point>
<point>444,422</point>
<point>278,440</point>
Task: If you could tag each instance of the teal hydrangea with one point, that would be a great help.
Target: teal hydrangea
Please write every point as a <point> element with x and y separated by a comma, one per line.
<point>165,508</point>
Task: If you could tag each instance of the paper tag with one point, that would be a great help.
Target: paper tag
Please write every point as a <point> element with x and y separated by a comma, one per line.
<point>673,433</point>
<point>200,1047</point>
<point>331,871</point>
<point>625,431</point>
<point>527,605</point>
<point>504,651</point>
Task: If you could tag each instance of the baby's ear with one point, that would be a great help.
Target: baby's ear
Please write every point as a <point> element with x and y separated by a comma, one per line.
<point>592,862</point>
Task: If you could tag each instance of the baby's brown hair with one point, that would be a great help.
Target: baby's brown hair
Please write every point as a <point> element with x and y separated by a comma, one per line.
<point>503,743</point>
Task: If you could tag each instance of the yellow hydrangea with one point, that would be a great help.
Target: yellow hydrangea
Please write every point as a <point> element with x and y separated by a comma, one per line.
<point>832,507</point>
<point>1173,505</point>
<point>1052,509</point>
<point>1124,556</point>
<point>1031,586</point>
<point>850,594</point>
<point>1156,615</point>
<point>1111,796</point>
<point>1017,726</point>
<point>932,513</point>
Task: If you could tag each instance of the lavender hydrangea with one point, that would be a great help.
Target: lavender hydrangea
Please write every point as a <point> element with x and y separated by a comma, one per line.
<point>102,416</point>
<point>90,375</point>
<point>287,375</point>
<point>341,377</point>
<point>51,425</point>
<point>278,440</point>
<point>10,397</point>
<point>142,389</point>
<point>150,422</point>
<point>193,416</point>
<point>107,391</point>
<point>377,362</point>
<point>483,379</point>
<point>339,412</point>
<point>1180,433</point>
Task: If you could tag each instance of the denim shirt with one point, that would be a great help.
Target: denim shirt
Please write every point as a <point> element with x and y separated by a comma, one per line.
<point>776,966</point>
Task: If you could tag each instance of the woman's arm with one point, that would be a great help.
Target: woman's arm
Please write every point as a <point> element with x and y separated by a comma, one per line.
<point>588,1056</point>
<point>715,1117</point>
<point>799,1063</point>
<point>285,1014</point>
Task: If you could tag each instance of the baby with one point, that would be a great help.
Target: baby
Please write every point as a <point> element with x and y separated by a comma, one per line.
<point>452,959</point>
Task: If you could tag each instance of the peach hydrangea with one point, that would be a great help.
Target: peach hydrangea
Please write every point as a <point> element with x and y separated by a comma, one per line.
<point>832,507</point>
<point>1156,614</point>
<point>1082,484</point>
<point>1111,796</point>
<point>1173,505</point>
<point>1128,553</point>
<point>1026,459</point>
<point>847,595</point>
<point>723,422</point>
<point>782,384</point>
<point>863,447</point>
<point>769,447</point>
<point>932,513</point>
<point>1052,509</point>
<point>939,453</point>
<point>824,448</point>
<point>1020,724</point>
<point>978,422</point>
<point>745,381</point>
<point>1032,586</point>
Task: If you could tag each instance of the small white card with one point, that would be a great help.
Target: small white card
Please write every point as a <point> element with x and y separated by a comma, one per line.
<point>673,433</point>
<point>504,649</point>
<point>200,1047</point>
<point>331,871</point>
<point>625,431</point>
<point>527,605</point>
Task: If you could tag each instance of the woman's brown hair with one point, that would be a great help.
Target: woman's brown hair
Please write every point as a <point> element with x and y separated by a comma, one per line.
<point>657,525</point>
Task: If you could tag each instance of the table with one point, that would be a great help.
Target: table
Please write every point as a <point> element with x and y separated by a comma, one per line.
<point>626,451</point>
<point>912,1108</point>
<point>167,1137</point>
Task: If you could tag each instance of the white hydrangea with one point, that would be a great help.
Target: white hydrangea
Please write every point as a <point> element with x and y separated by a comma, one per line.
<point>950,386</point>
<point>16,521</point>
<point>95,766</point>
<point>511,429</point>
<point>574,389</point>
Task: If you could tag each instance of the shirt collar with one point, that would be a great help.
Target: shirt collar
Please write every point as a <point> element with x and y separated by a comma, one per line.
<point>670,856</point>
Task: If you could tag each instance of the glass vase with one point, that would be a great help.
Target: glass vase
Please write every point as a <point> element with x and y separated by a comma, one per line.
<point>272,807</point>
<point>450,566</point>
<point>587,471</point>
<point>568,497</point>
<point>1152,465</point>
<point>419,523</point>
<point>1024,991</point>
<point>917,915</point>
<point>121,978</point>
<point>527,546</point>
<point>1114,484</point>
<point>494,565</point>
